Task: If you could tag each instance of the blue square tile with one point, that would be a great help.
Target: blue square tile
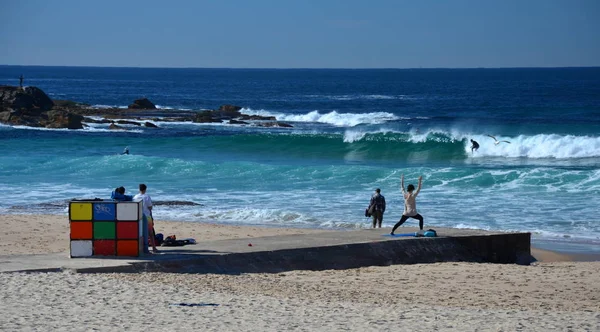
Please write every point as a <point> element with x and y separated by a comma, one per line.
<point>104,211</point>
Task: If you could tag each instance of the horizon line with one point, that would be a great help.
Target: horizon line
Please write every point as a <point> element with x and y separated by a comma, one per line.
<point>307,68</point>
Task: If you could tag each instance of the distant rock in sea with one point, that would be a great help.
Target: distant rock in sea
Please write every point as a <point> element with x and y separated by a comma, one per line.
<point>31,107</point>
<point>28,100</point>
<point>142,104</point>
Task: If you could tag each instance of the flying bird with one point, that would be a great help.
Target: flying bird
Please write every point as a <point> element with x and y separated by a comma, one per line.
<point>496,142</point>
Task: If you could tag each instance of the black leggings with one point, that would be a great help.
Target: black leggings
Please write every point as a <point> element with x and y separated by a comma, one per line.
<point>404,218</point>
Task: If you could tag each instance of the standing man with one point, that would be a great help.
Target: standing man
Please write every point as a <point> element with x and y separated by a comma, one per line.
<point>410,205</point>
<point>148,226</point>
<point>377,207</point>
<point>21,81</point>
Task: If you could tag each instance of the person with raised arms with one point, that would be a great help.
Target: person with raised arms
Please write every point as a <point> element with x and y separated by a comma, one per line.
<point>410,204</point>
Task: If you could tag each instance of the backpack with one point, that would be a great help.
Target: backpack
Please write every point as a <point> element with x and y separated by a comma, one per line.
<point>430,233</point>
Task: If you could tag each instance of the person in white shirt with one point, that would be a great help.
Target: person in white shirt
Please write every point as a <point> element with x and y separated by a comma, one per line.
<point>410,204</point>
<point>148,220</point>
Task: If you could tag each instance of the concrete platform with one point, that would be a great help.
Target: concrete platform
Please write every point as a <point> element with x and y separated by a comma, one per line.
<point>319,251</point>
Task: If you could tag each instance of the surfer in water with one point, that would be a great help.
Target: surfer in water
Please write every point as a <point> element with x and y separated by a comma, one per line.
<point>475,146</point>
<point>126,150</point>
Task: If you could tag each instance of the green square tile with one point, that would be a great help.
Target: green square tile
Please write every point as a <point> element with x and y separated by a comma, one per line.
<point>104,230</point>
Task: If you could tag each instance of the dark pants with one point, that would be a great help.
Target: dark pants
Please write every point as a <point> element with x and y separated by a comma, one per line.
<point>404,218</point>
<point>377,218</point>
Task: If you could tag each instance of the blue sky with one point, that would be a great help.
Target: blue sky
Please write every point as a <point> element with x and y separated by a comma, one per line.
<point>301,34</point>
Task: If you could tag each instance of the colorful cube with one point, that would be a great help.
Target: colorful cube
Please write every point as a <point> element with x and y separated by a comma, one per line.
<point>105,248</point>
<point>129,211</point>
<point>105,228</point>
<point>127,230</point>
<point>82,230</point>
<point>81,248</point>
<point>104,211</point>
<point>80,211</point>
<point>128,248</point>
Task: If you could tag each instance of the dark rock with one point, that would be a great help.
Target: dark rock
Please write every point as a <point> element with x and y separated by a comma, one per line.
<point>125,122</point>
<point>142,104</point>
<point>237,122</point>
<point>27,101</point>
<point>5,116</point>
<point>115,127</point>
<point>206,117</point>
<point>150,125</point>
<point>17,118</point>
<point>90,120</point>
<point>257,117</point>
<point>229,108</point>
<point>68,104</point>
<point>64,119</point>
<point>275,124</point>
<point>113,116</point>
<point>173,119</point>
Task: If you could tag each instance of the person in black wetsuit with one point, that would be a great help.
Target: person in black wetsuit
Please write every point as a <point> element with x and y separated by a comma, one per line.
<point>475,146</point>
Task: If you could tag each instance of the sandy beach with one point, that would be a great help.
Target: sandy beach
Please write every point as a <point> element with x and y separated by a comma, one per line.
<point>554,293</point>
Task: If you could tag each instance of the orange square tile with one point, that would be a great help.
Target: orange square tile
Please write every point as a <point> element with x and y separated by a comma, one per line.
<point>128,248</point>
<point>81,230</point>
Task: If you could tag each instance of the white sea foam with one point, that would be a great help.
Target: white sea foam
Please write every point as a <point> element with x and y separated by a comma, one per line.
<point>332,118</point>
<point>537,146</point>
<point>362,97</point>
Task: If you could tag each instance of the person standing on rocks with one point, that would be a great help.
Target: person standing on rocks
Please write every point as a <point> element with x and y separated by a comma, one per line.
<point>21,81</point>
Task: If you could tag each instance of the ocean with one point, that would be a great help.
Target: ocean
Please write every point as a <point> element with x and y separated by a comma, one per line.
<point>353,131</point>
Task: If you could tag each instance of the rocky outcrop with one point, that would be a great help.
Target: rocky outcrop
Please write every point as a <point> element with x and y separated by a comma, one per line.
<point>90,120</point>
<point>229,108</point>
<point>17,118</point>
<point>68,104</point>
<point>125,122</point>
<point>207,117</point>
<point>31,107</point>
<point>63,119</point>
<point>247,117</point>
<point>142,104</point>
<point>232,114</point>
<point>28,101</point>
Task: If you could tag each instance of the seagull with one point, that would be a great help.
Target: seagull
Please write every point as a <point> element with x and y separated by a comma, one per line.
<point>496,142</point>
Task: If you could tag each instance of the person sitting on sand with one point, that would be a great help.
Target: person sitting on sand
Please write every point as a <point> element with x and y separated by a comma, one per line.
<point>377,207</point>
<point>475,146</point>
<point>119,195</point>
<point>410,204</point>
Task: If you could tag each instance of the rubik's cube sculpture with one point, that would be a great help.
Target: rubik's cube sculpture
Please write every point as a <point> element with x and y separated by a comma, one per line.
<point>105,228</point>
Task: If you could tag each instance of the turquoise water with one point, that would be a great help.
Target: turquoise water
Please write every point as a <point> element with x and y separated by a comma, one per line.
<point>354,131</point>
